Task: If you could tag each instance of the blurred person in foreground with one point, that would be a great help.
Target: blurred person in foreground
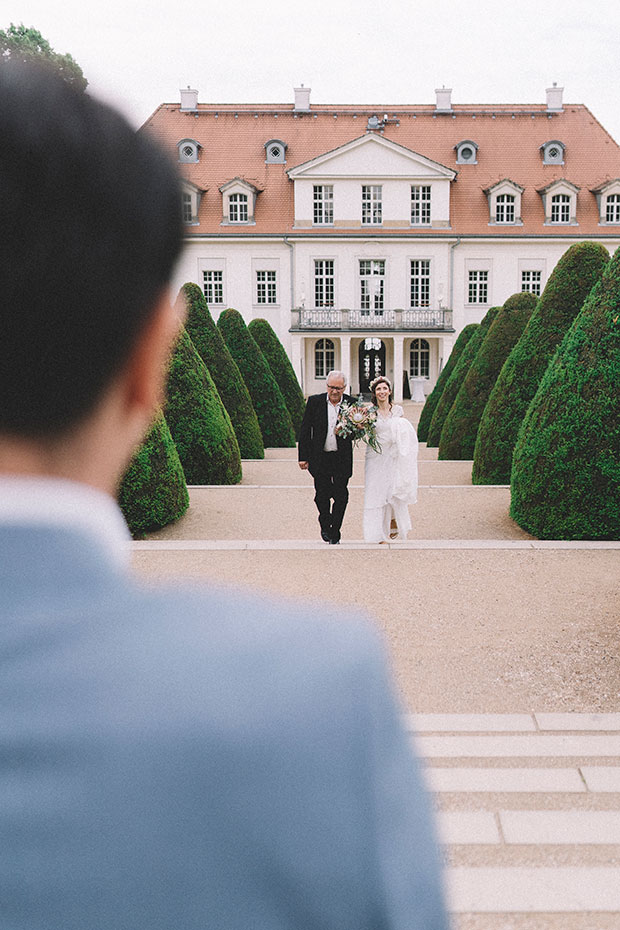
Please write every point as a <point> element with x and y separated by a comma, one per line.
<point>170,758</point>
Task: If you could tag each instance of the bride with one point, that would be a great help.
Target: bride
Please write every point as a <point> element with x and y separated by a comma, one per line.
<point>391,476</point>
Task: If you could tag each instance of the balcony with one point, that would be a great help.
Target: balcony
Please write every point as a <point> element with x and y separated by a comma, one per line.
<point>305,319</point>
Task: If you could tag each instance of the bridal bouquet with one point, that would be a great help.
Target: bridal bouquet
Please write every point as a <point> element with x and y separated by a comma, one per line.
<point>358,421</point>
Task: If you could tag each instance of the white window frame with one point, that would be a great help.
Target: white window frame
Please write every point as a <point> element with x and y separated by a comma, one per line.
<point>324,282</point>
<point>324,358</point>
<point>505,203</point>
<point>372,299</point>
<point>419,358</point>
<point>505,209</point>
<point>189,151</point>
<point>560,212</point>
<point>560,209</point>
<point>478,285</point>
<point>608,200</point>
<point>215,268</point>
<point>612,209</point>
<point>419,283</point>
<point>190,203</point>
<point>266,281</point>
<point>531,280</point>
<point>372,204</point>
<point>323,205</point>
<point>238,208</point>
<point>548,147</point>
<point>421,204</point>
<point>532,271</point>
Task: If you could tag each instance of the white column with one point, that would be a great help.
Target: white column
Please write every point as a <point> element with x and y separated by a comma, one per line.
<point>399,342</point>
<point>297,350</point>
<point>345,358</point>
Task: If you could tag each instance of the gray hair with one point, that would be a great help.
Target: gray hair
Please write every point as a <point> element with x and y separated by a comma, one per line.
<point>339,375</point>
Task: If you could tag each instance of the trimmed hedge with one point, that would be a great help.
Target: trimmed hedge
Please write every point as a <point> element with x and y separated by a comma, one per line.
<point>199,424</point>
<point>273,417</point>
<point>457,377</point>
<point>459,431</point>
<point>565,481</point>
<point>224,370</point>
<point>281,369</point>
<point>573,277</point>
<point>153,491</point>
<point>433,398</point>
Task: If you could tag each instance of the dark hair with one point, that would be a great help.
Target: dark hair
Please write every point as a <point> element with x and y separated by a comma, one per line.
<point>91,229</point>
<point>373,389</point>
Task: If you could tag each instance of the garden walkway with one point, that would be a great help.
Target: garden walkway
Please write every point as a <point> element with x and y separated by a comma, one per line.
<point>504,648</point>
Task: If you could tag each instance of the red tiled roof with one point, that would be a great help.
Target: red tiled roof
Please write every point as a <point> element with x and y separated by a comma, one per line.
<point>509,138</point>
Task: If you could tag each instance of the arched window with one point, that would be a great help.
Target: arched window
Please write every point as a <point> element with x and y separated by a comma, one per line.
<point>324,357</point>
<point>419,358</point>
<point>238,208</point>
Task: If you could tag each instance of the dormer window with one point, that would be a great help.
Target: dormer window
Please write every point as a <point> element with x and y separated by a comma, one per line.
<point>190,202</point>
<point>189,151</point>
<point>560,203</point>
<point>505,203</point>
<point>466,152</point>
<point>275,152</point>
<point>553,152</point>
<point>238,202</point>
<point>608,200</point>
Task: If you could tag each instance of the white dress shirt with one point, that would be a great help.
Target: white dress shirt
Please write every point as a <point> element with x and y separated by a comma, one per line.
<point>331,444</point>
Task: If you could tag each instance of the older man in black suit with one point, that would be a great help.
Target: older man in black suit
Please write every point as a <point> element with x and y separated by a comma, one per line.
<point>327,457</point>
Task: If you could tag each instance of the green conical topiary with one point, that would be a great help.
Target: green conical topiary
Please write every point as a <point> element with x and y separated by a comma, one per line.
<point>281,369</point>
<point>273,417</point>
<point>153,492</point>
<point>433,398</point>
<point>224,370</point>
<point>459,372</point>
<point>568,286</point>
<point>199,424</point>
<point>565,480</point>
<point>460,428</point>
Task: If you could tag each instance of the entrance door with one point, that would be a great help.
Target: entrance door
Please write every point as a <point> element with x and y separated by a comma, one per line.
<point>372,362</point>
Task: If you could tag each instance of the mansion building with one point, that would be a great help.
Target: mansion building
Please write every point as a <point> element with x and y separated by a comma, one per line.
<point>368,237</point>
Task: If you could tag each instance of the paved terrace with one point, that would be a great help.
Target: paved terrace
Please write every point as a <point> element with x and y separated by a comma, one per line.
<point>505,651</point>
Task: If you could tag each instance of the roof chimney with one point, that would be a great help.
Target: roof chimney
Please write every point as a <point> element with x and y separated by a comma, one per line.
<point>444,103</point>
<point>189,98</point>
<point>554,98</point>
<point>302,98</point>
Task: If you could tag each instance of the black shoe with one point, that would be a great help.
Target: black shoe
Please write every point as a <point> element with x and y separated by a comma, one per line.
<point>325,536</point>
<point>334,542</point>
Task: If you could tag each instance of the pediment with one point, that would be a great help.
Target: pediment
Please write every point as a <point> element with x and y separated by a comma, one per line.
<point>372,156</point>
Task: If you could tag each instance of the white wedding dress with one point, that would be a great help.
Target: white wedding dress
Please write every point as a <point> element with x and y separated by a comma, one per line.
<point>391,477</point>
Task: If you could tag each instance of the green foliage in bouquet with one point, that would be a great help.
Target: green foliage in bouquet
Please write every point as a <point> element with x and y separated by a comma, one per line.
<point>568,286</point>
<point>231,387</point>
<point>565,480</point>
<point>153,492</point>
<point>459,373</point>
<point>433,398</point>
<point>273,416</point>
<point>458,435</point>
<point>281,369</point>
<point>198,421</point>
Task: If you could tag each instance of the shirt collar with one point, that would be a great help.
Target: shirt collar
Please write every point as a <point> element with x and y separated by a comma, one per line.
<point>68,504</point>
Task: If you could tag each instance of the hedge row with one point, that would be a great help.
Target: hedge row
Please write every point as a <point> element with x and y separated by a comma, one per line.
<point>568,286</point>
<point>457,377</point>
<point>198,421</point>
<point>281,369</point>
<point>458,435</point>
<point>231,387</point>
<point>273,416</point>
<point>433,398</point>
<point>565,480</point>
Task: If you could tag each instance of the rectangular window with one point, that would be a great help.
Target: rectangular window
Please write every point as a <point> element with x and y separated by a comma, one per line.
<point>372,284</point>
<point>505,208</point>
<point>323,195</point>
<point>213,286</point>
<point>238,208</point>
<point>372,210</point>
<point>188,213</point>
<point>420,282</point>
<point>266,287</point>
<point>531,281</point>
<point>324,283</point>
<point>612,209</point>
<point>560,208</point>
<point>420,205</point>
<point>478,287</point>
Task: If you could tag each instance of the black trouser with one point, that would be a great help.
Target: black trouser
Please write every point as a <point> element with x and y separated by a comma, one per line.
<point>330,483</point>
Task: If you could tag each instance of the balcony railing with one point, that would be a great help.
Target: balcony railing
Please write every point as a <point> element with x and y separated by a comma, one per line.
<point>319,318</point>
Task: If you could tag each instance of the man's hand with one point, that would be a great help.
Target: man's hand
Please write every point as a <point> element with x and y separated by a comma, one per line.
<point>303,466</point>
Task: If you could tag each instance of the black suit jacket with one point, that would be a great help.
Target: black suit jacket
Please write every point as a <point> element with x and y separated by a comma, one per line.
<point>312,435</point>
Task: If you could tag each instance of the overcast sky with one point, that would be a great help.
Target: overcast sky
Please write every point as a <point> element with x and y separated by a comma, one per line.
<point>138,53</point>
